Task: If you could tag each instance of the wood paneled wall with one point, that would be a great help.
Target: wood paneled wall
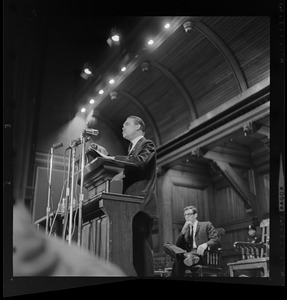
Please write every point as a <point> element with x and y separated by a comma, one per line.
<point>177,189</point>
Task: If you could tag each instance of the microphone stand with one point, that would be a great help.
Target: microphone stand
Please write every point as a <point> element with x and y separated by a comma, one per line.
<point>67,196</point>
<point>49,192</point>
<point>72,194</point>
<point>81,196</point>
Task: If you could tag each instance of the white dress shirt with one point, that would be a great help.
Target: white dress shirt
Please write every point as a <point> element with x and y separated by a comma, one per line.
<point>134,141</point>
<point>194,230</point>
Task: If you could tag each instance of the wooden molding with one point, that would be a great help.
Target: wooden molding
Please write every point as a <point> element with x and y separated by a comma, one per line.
<point>184,145</point>
<point>227,158</point>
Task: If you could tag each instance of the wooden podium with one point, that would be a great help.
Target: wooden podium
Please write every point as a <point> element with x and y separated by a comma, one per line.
<point>107,217</point>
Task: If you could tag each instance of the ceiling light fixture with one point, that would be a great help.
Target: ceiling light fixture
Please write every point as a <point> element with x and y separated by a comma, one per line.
<point>145,66</point>
<point>114,95</point>
<point>248,129</point>
<point>188,26</point>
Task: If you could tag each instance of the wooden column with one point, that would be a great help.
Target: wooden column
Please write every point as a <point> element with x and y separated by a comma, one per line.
<point>165,190</point>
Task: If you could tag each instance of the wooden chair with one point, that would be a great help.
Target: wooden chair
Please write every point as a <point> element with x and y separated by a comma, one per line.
<point>212,266</point>
<point>255,256</point>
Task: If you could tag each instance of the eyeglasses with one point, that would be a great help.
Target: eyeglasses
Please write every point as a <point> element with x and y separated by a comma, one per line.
<point>188,214</point>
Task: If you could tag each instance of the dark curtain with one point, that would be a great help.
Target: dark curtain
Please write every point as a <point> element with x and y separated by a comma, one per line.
<point>25,41</point>
<point>24,45</point>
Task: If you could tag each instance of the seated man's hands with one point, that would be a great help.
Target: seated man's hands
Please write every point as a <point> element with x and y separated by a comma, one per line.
<point>199,251</point>
<point>201,248</point>
<point>186,227</point>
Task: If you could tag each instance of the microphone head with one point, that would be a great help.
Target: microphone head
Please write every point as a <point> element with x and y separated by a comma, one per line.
<point>57,145</point>
<point>91,131</point>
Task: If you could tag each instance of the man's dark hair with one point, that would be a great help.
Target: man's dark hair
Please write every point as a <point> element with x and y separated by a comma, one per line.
<point>138,121</point>
<point>193,208</point>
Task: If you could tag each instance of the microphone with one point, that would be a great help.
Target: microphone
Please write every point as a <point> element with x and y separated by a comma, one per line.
<point>58,145</point>
<point>74,143</point>
<point>91,131</point>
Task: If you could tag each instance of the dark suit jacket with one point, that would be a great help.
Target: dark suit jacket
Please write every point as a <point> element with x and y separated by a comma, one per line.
<point>141,181</point>
<point>205,233</point>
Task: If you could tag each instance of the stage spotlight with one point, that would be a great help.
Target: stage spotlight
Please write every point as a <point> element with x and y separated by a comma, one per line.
<point>87,71</point>
<point>115,37</point>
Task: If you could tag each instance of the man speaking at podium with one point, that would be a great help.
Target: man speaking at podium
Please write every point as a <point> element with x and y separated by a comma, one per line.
<point>140,181</point>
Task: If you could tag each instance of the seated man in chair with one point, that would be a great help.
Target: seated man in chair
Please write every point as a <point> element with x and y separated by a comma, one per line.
<point>191,243</point>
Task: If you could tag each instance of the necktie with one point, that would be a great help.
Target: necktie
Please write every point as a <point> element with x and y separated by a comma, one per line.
<point>130,147</point>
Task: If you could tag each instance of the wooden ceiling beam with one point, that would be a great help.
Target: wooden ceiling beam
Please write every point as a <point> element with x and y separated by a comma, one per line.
<point>264,130</point>
<point>230,159</point>
<point>228,55</point>
<point>187,99</point>
<point>239,185</point>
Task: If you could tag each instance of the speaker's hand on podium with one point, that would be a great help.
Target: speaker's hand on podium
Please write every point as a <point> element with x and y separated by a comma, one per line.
<point>102,151</point>
<point>107,156</point>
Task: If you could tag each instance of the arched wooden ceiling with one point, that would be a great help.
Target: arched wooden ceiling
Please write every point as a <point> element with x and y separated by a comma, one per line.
<point>190,74</point>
